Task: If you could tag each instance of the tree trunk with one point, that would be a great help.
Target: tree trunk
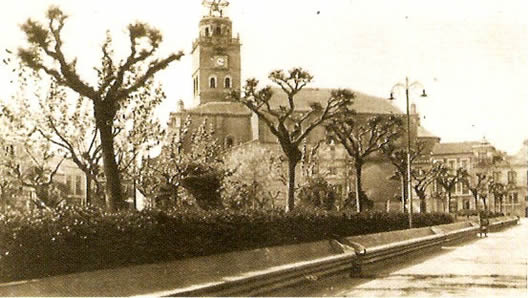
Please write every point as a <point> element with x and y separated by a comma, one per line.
<point>448,205</point>
<point>422,205</point>
<point>88,198</point>
<point>358,167</point>
<point>292,164</point>
<point>403,192</point>
<point>421,196</point>
<point>476,202</point>
<point>113,196</point>
<point>494,203</point>
<point>4,201</point>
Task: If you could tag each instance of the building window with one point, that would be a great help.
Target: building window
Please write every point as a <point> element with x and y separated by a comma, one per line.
<point>452,164</point>
<point>482,156</point>
<point>218,31</point>
<point>78,185</point>
<point>229,142</point>
<point>212,82</point>
<point>515,198</point>
<point>464,164</point>
<point>466,204</point>
<point>227,82</point>
<point>512,177</point>
<point>339,189</point>
<point>496,176</point>
<point>206,31</point>
<point>465,189</point>
<point>332,171</point>
<point>458,188</point>
<point>69,185</point>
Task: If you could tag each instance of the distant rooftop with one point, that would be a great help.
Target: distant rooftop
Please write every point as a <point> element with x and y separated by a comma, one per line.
<point>218,108</point>
<point>454,148</point>
<point>363,103</point>
<point>424,133</point>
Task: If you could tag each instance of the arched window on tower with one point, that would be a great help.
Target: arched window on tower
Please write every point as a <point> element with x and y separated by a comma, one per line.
<point>229,142</point>
<point>227,82</point>
<point>207,31</point>
<point>218,31</point>
<point>212,82</point>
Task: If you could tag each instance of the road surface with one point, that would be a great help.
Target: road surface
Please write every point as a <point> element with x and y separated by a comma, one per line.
<point>492,266</point>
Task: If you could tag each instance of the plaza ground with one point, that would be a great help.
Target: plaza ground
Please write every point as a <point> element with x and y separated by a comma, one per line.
<point>492,266</point>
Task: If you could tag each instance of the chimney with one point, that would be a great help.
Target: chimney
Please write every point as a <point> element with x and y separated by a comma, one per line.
<point>413,109</point>
<point>180,106</point>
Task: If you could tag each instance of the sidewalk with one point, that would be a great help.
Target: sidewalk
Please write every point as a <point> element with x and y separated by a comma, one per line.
<point>493,266</point>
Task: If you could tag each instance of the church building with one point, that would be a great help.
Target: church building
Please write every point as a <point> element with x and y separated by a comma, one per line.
<point>216,70</point>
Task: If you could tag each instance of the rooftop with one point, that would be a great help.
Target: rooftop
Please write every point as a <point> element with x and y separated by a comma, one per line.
<point>454,148</point>
<point>363,103</point>
<point>218,108</point>
<point>424,133</point>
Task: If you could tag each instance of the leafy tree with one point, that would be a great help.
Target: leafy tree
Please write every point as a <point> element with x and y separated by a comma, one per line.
<point>198,168</point>
<point>361,139</point>
<point>499,191</point>
<point>422,179</point>
<point>478,181</point>
<point>310,162</point>
<point>318,193</point>
<point>117,81</point>
<point>477,185</point>
<point>36,170</point>
<point>137,131</point>
<point>286,122</point>
<point>398,158</point>
<point>448,178</point>
<point>35,163</point>
<point>255,173</point>
<point>65,124</point>
<point>9,186</point>
<point>364,202</point>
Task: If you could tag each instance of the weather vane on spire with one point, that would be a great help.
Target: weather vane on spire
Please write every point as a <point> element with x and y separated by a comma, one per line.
<point>215,6</point>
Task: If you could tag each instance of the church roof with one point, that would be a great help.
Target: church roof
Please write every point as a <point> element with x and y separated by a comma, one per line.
<point>220,108</point>
<point>363,103</point>
<point>424,133</point>
<point>454,148</point>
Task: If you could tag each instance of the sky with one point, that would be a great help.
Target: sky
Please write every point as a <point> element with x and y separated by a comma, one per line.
<point>471,56</point>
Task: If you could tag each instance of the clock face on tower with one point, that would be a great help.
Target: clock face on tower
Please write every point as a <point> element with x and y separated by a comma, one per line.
<point>220,61</point>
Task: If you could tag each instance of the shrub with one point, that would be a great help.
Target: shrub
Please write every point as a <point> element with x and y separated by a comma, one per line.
<point>318,193</point>
<point>75,239</point>
<point>467,212</point>
<point>473,212</point>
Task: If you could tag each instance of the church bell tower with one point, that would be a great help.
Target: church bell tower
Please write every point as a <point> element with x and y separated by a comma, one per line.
<point>216,56</point>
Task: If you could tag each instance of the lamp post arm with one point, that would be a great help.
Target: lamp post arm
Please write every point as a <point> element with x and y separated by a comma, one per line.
<point>416,84</point>
<point>397,87</point>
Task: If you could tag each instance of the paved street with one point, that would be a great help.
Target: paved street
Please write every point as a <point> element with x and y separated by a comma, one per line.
<point>493,266</point>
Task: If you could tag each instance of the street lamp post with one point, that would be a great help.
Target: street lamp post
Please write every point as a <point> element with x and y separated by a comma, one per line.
<point>408,87</point>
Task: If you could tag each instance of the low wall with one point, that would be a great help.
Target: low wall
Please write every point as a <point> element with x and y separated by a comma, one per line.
<point>246,273</point>
<point>371,240</point>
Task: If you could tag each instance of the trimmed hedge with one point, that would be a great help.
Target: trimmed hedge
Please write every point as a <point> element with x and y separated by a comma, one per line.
<point>473,212</point>
<point>76,239</point>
